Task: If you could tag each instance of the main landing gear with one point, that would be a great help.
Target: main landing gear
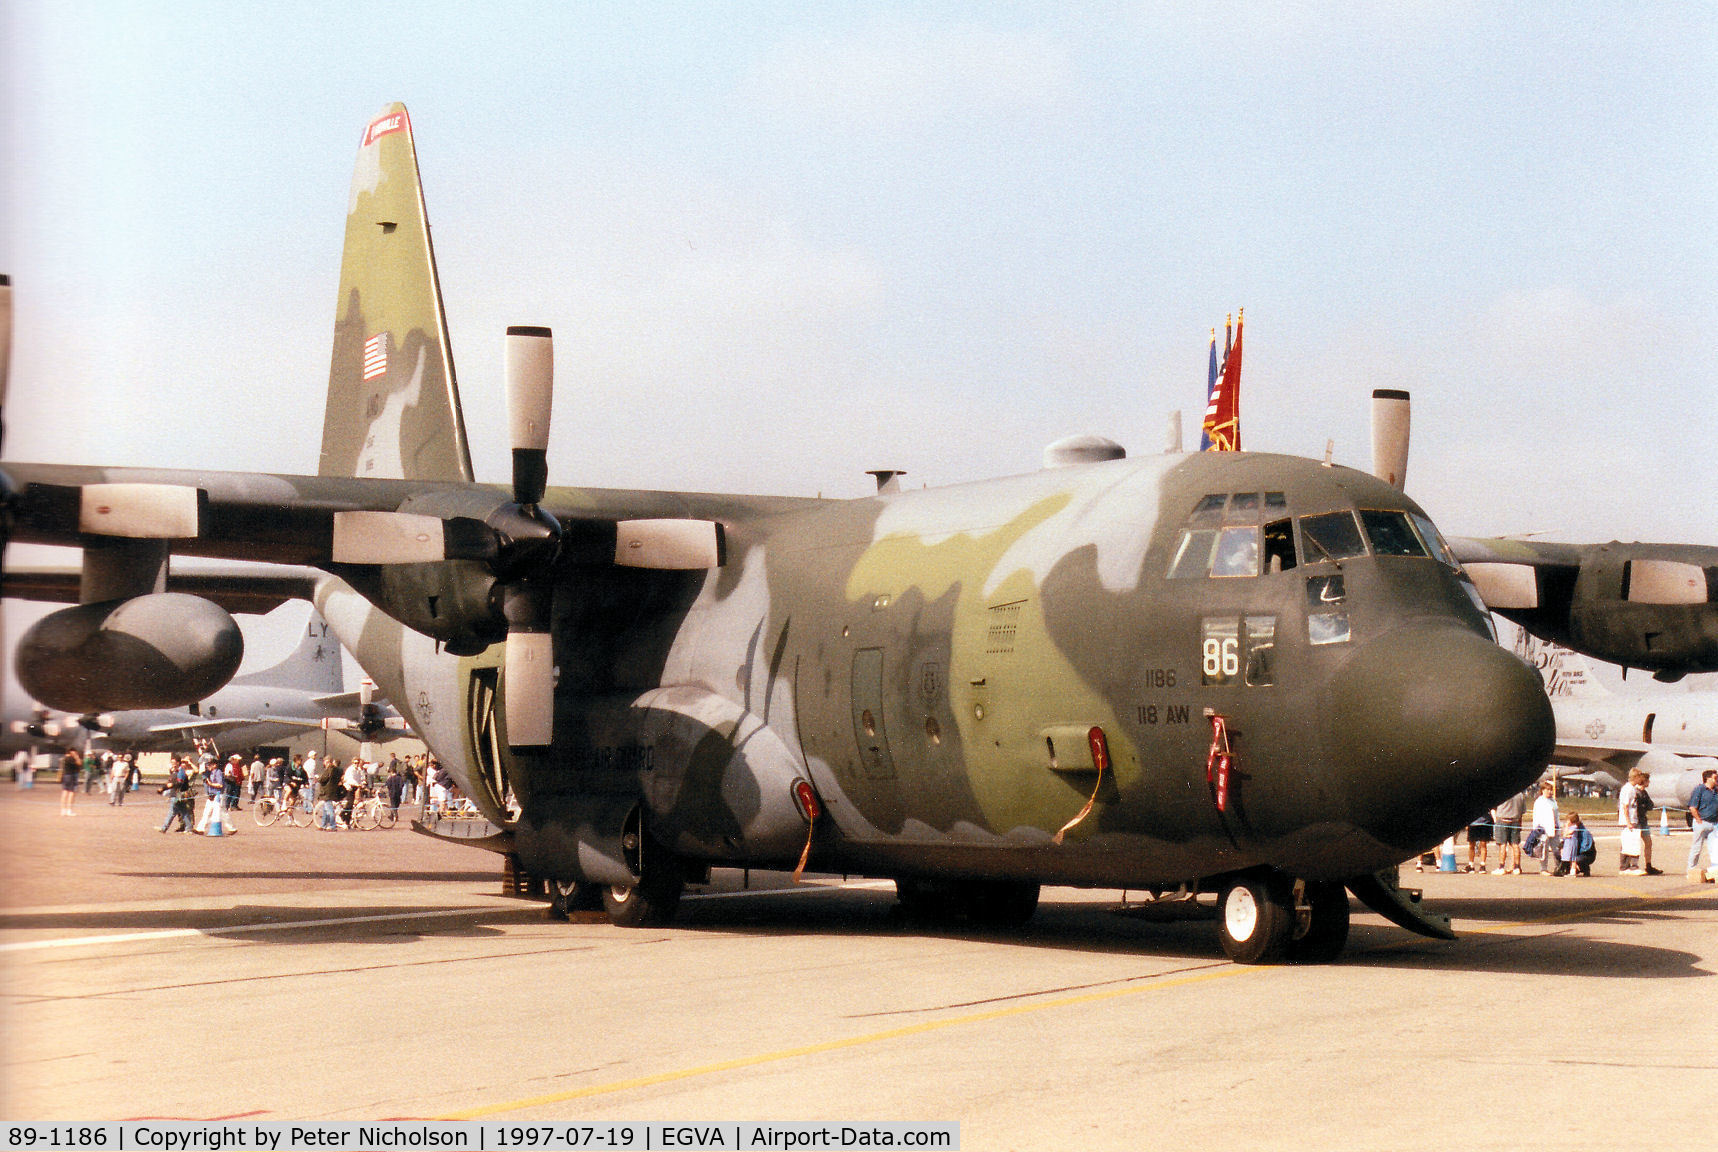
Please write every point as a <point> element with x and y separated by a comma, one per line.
<point>1266,918</point>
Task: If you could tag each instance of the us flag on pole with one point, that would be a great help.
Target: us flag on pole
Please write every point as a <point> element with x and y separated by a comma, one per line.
<point>1221,431</point>
<point>376,356</point>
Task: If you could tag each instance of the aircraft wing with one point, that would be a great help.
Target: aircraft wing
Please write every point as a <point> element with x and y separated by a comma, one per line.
<point>1650,606</point>
<point>208,727</point>
<point>250,588</point>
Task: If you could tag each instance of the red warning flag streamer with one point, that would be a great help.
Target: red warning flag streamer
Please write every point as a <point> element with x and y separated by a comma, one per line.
<point>1100,749</point>
<point>812,808</point>
<point>1219,763</point>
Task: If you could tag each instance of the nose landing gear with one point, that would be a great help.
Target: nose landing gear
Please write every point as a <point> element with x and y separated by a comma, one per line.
<point>1267,918</point>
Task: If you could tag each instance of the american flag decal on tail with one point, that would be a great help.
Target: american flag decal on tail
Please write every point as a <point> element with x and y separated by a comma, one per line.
<point>376,356</point>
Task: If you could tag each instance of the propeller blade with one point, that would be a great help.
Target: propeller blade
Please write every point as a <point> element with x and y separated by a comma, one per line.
<point>5,337</point>
<point>140,511</point>
<point>1665,582</point>
<point>1390,411</point>
<point>528,683</point>
<point>530,396</point>
<point>388,538</point>
<point>675,545</point>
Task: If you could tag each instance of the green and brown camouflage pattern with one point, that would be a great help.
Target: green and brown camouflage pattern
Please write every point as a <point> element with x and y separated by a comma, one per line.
<point>393,409</point>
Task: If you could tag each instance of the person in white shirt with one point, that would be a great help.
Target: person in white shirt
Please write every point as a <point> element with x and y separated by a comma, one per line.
<point>1546,820</point>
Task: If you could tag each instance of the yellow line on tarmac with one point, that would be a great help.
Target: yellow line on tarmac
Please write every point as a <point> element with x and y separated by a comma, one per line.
<point>1587,913</point>
<point>848,1042</point>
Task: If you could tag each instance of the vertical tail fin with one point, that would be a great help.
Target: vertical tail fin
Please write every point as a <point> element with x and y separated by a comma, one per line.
<point>314,666</point>
<point>393,406</point>
<point>1567,674</point>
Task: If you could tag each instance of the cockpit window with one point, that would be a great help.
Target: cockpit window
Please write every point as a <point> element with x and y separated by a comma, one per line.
<point>1193,558</point>
<point>1244,507</point>
<point>1434,540</point>
<point>1224,537</point>
<point>1391,533</point>
<point>1279,546</point>
<point>1209,507</point>
<point>1332,536</point>
<point>1237,551</point>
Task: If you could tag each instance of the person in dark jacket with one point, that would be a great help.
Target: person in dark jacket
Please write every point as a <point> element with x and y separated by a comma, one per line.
<point>327,794</point>
<point>71,767</point>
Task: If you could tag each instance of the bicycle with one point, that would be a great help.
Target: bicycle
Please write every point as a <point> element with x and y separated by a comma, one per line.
<point>289,810</point>
<point>373,812</point>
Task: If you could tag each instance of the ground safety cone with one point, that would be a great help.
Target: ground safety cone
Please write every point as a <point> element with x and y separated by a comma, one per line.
<point>215,827</point>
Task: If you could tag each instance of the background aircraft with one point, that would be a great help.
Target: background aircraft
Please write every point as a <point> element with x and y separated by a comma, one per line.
<point>1603,732</point>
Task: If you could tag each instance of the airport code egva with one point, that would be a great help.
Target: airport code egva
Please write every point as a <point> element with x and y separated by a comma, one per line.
<point>193,1136</point>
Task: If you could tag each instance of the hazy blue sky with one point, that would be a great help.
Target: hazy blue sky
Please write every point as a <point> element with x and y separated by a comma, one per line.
<point>781,244</point>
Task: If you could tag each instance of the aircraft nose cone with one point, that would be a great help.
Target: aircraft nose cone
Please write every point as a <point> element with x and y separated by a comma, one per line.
<point>1431,726</point>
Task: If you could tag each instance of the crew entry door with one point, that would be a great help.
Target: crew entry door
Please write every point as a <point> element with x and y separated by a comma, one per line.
<point>868,727</point>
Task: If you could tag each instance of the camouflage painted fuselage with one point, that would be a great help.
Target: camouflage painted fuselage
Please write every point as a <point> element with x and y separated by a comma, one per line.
<point>933,661</point>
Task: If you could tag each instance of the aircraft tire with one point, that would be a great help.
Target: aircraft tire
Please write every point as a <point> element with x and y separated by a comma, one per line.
<point>647,904</point>
<point>1255,919</point>
<point>1327,929</point>
<point>569,896</point>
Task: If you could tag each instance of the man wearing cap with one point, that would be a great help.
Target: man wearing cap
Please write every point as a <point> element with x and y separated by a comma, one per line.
<point>234,778</point>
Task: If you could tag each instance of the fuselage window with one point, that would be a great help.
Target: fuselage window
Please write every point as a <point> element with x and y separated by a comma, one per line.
<point>1235,648</point>
<point>1331,536</point>
<point>1219,650</point>
<point>1391,533</point>
<point>1260,635</point>
<point>1237,551</point>
<point>1279,545</point>
<point>1327,627</point>
<point>1323,591</point>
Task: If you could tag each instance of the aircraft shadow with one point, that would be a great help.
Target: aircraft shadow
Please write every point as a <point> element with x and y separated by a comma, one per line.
<point>1184,931</point>
<point>234,923</point>
<point>205,874</point>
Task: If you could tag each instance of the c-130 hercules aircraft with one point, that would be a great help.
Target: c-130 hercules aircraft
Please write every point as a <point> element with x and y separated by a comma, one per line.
<point>1252,674</point>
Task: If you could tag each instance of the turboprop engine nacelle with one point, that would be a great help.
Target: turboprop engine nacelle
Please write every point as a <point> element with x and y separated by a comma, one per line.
<point>164,650</point>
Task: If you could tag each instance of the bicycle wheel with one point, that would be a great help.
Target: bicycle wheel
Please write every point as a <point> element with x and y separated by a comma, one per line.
<point>300,816</point>
<point>385,816</point>
<point>364,816</point>
<point>265,810</point>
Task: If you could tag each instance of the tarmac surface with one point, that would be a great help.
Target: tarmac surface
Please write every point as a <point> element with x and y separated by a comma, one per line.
<point>285,973</point>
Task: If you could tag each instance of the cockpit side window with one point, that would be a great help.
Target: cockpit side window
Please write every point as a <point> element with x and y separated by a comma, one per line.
<point>1279,546</point>
<point>1193,557</point>
<point>1391,533</point>
<point>1434,541</point>
<point>1331,536</point>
